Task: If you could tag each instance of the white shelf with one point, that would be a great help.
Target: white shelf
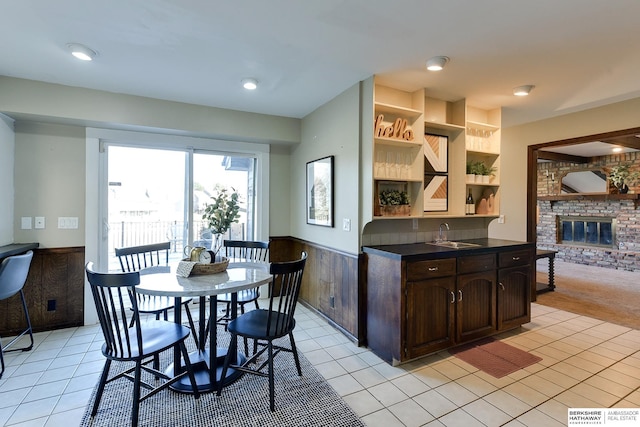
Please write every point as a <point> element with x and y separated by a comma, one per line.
<point>483,153</point>
<point>417,142</point>
<point>443,126</point>
<point>481,126</point>
<point>481,184</point>
<point>381,107</point>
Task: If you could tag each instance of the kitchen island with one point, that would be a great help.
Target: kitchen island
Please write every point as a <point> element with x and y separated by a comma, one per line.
<point>424,297</point>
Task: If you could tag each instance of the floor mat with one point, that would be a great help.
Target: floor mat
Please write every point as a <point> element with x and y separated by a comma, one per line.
<point>496,358</point>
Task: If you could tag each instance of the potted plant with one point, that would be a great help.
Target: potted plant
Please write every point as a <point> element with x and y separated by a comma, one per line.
<point>472,170</point>
<point>220,214</point>
<point>486,172</point>
<point>621,177</point>
<point>394,203</point>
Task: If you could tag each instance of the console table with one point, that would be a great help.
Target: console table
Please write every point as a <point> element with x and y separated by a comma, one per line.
<point>16,249</point>
<point>550,255</point>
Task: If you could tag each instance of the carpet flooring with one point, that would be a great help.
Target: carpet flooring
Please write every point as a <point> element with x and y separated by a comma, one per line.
<point>601,293</point>
<point>300,401</point>
<point>496,358</point>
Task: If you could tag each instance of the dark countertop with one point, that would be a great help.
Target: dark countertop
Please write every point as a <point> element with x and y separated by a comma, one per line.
<point>422,251</point>
<point>16,248</point>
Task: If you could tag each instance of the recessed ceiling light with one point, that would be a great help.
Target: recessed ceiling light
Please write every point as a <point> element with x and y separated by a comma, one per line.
<point>523,90</point>
<point>81,52</point>
<point>437,63</point>
<point>249,84</point>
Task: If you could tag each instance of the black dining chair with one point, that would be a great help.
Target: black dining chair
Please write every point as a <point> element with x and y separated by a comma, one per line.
<point>266,325</point>
<point>150,259</point>
<point>13,275</point>
<point>243,250</point>
<point>141,343</point>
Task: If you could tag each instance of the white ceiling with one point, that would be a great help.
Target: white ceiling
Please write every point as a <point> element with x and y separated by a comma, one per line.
<point>578,53</point>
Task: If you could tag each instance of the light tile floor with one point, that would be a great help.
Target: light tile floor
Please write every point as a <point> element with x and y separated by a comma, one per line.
<point>586,363</point>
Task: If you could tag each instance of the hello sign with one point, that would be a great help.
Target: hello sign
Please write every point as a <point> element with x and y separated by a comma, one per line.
<point>397,130</point>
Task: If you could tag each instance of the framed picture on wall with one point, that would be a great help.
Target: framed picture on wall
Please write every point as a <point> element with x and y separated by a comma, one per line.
<point>436,189</point>
<point>436,154</point>
<point>320,192</point>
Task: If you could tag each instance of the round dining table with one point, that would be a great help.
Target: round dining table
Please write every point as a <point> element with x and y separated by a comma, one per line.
<point>206,360</point>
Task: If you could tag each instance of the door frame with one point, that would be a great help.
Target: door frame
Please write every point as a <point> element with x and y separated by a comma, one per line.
<point>95,199</point>
<point>532,168</point>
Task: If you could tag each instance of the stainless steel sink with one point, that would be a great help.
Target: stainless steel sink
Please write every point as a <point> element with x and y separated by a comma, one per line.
<point>454,245</point>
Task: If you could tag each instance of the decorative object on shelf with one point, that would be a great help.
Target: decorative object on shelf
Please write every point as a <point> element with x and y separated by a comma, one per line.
<point>219,216</point>
<point>398,130</point>
<point>473,170</point>
<point>436,190</point>
<point>486,172</point>
<point>486,204</point>
<point>470,205</point>
<point>394,203</point>
<point>621,177</point>
<point>320,192</point>
<point>435,153</point>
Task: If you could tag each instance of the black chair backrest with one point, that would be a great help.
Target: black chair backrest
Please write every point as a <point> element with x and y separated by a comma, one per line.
<point>284,291</point>
<point>247,250</point>
<point>109,290</point>
<point>136,258</point>
<point>13,274</point>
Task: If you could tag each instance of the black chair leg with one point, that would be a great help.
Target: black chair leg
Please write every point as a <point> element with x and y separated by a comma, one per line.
<point>271,382</point>
<point>102,383</point>
<point>295,353</point>
<point>136,394</point>
<point>191,324</point>
<point>1,360</point>
<point>192,377</point>
<point>233,348</point>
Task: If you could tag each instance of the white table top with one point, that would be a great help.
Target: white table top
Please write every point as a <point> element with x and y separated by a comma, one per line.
<point>237,277</point>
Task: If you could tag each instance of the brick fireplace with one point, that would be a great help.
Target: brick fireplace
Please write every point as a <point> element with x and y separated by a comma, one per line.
<point>617,245</point>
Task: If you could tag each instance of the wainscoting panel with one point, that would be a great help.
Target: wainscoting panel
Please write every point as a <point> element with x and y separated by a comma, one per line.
<point>330,281</point>
<point>54,292</point>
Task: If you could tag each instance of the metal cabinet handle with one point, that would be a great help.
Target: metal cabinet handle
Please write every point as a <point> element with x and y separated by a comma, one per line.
<point>432,268</point>
<point>453,297</point>
<point>515,258</point>
<point>459,295</point>
<point>501,285</point>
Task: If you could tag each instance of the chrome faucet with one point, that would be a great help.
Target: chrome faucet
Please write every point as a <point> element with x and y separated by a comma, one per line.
<point>440,236</point>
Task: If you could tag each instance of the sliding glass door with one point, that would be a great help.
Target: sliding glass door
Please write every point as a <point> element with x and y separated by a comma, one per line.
<point>156,195</point>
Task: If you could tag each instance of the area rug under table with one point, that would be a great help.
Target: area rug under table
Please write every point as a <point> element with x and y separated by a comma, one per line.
<point>496,358</point>
<point>300,401</point>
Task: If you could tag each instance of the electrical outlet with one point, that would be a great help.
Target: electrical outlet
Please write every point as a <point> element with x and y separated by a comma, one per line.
<point>346,224</point>
<point>501,219</point>
<point>415,223</point>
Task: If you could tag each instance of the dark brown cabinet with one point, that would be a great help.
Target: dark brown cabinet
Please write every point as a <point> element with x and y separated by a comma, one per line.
<point>514,288</point>
<point>430,306</point>
<point>415,308</point>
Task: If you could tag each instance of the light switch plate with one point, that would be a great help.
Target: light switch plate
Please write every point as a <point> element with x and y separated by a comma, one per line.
<point>346,224</point>
<point>26,223</point>
<point>39,222</point>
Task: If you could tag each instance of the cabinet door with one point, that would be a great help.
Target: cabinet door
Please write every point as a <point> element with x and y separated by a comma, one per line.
<point>514,294</point>
<point>476,305</point>
<point>429,316</point>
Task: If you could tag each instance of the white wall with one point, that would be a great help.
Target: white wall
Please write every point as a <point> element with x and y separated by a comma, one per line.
<point>49,181</point>
<point>515,140</point>
<point>7,150</point>
<point>331,130</point>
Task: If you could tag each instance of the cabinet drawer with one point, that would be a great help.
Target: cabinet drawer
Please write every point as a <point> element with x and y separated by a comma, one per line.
<point>476,263</point>
<point>431,268</point>
<point>514,258</point>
